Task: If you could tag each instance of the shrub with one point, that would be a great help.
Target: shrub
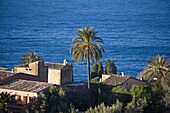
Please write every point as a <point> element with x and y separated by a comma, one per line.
<point>136,106</point>
<point>114,108</point>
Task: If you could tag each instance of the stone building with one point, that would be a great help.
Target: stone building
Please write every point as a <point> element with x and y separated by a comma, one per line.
<point>26,81</point>
<point>24,90</point>
<point>59,73</point>
<point>35,69</point>
<point>48,72</point>
<point>126,81</point>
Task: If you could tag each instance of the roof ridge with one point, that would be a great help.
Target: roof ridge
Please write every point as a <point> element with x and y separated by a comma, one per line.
<point>53,63</point>
<point>120,75</point>
<point>117,79</point>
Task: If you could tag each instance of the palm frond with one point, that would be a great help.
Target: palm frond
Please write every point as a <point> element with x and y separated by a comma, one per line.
<point>30,57</point>
<point>87,40</point>
<point>157,67</point>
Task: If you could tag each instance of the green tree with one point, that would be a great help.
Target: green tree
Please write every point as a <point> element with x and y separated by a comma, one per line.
<point>94,72</point>
<point>136,91</point>
<point>30,57</point>
<point>5,98</point>
<point>97,70</point>
<point>141,92</point>
<point>157,67</point>
<point>166,89</point>
<point>100,69</point>
<point>120,89</point>
<point>110,67</point>
<point>86,47</point>
<point>122,94</point>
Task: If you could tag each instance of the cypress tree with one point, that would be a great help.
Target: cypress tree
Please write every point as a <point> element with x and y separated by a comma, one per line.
<point>94,71</point>
<point>110,67</point>
<point>100,69</point>
<point>114,68</point>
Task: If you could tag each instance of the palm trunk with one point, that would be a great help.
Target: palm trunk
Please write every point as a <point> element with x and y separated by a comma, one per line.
<point>88,70</point>
<point>89,85</point>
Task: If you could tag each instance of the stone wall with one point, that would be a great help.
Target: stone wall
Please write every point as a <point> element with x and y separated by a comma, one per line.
<point>31,69</point>
<point>54,76</point>
<point>43,71</point>
<point>67,74</point>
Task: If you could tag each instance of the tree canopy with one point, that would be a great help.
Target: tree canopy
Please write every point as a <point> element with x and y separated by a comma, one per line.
<point>30,57</point>
<point>158,66</point>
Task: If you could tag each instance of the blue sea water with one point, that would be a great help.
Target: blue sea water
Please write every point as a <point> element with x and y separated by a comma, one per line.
<point>133,30</point>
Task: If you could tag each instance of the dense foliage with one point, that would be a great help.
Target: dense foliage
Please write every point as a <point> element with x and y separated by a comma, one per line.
<point>158,74</point>
<point>54,101</point>
<point>5,99</point>
<point>114,108</point>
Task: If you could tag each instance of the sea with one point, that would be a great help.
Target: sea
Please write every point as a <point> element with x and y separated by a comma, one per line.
<point>133,31</point>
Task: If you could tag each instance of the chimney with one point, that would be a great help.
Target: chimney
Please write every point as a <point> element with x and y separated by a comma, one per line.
<point>122,74</point>
<point>65,62</point>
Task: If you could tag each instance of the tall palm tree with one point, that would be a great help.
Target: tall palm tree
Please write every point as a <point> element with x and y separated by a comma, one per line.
<point>30,57</point>
<point>157,67</point>
<point>86,47</point>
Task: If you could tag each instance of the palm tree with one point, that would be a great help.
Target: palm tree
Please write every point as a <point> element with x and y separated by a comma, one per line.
<point>5,98</point>
<point>86,47</point>
<point>30,57</point>
<point>157,67</point>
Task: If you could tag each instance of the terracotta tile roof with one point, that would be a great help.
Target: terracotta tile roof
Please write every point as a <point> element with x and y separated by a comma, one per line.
<point>5,74</point>
<point>54,65</point>
<point>116,79</point>
<point>26,85</point>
